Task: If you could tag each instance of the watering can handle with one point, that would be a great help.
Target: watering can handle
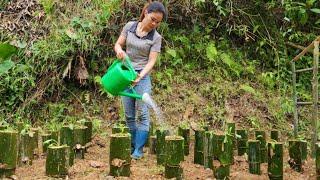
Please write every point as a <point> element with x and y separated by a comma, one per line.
<point>129,64</point>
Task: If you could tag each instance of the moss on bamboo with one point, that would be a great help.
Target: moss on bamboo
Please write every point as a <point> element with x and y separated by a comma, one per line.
<point>185,133</point>
<point>45,144</point>
<point>275,161</point>
<point>8,152</point>
<point>80,141</point>
<point>174,155</point>
<point>120,150</point>
<point>160,145</point>
<point>222,152</point>
<point>89,126</point>
<point>274,135</point>
<point>295,154</point>
<point>175,172</point>
<point>254,156</point>
<point>67,138</point>
<point>198,147</point>
<point>26,147</point>
<point>242,141</point>
<point>208,149</point>
<point>57,162</point>
<point>261,136</point>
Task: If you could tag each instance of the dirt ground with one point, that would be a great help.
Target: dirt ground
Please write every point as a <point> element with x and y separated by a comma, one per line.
<point>96,166</point>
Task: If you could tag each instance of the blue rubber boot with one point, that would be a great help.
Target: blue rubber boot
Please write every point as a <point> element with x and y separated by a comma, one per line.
<point>141,139</point>
<point>133,140</point>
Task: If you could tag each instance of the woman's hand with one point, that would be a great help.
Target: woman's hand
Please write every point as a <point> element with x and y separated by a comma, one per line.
<point>120,53</point>
<point>135,82</point>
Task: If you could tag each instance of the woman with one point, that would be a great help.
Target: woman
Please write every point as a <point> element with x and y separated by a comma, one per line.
<point>142,43</point>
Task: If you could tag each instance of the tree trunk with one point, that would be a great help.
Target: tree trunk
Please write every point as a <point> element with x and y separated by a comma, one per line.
<point>254,153</point>
<point>57,162</point>
<point>198,147</point>
<point>261,136</point>
<point>8,152</point>
<point>185,133</point>
<point>275,161</point>
<point>120,151</point>
<point>242,141</point>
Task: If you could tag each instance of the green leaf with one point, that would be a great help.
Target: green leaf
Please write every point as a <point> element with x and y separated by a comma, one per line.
<point>172,52</point>
<point>7,50</point>
<point>315,10</point>
<point>6,66</point>
<point>211,52</point>
<point>317,22</point>
<point>247,88</point>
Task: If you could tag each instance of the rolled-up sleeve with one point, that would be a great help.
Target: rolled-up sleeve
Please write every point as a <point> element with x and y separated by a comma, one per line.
<point>156,47</point>
<point>126,28</point>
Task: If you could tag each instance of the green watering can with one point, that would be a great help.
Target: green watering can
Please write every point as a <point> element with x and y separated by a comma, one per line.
<point>119,77</point>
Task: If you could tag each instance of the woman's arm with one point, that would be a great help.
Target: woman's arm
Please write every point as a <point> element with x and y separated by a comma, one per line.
<point>118,47</point>
<point>152,60</point>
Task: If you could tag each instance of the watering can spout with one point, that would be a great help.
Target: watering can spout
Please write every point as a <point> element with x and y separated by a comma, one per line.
<point>133,95</point>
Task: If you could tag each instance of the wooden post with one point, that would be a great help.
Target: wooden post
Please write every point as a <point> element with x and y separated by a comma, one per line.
<point>8,152</point>
<point>294,97</point>
<point>315,95</point>
<point>275,160</point>
<point>57,162</point>
<point>242,141</point>
<point>254,156</point>
<point>120,150</point>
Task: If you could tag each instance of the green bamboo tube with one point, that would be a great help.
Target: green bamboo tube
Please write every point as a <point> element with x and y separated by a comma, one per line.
<point>45,137</point>
<point>242,141</point>
<point>221,172</point>
<point>36,137</point>
<point>198,147</point>
<point>57,162</point>
<point>304,150</point>
<point>274,134</point>
<point>261,136</point>
<point>55,136</point>
<point>160,146</point>
<point>185,133</point>
<point>254,156</point>
<point>174,150</point>
<point>149,134</point>
<point>88,130</point>
<point>152,144</point>
<point>19,126</point>
<point>295,154</point>
<point>175,172</point>
<point>8,152</point>
<point>119,129</point>
<point>275,161</point>
<point>318,161</point>
<point>232,130</point>
<point>80,141</point>
<point>67,137</point>
<point>26,146</point>
<point>120,150</point>
<point>208,149</point>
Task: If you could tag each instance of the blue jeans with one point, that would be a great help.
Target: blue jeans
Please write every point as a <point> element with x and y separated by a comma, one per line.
<point>136,111</point>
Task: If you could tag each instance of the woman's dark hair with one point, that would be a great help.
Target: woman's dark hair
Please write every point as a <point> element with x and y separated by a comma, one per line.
<point>154,6</point>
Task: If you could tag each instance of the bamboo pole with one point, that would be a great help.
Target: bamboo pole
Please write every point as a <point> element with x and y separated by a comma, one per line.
<point>8,152</point>
<point>318,161</point>
<point>198,147</point>
<point>294,97</point>
<point>275,161</point>
<point>261,136</point>
<point>161,145</point>
<point>306,50</point>
<point>295,154</point>
<point>67,137</point>
<point>185,133</point>
<point>120,150</point>
<point>315,95</point>
<point>175,155</point>
<point>57,162</point>
<point>80,141</point>
<point>242,141</point>
<point>26,145</point>
<point>254,153</point>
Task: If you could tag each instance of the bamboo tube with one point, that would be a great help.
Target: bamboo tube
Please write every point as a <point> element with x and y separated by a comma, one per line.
<point>232,131</point>
<point>304,150</point>
<point>174,150</point>
<point>254,156</point>
<point>160,146</point>
<point>57,162</point>
<point>242,141</point>
<point>221,172</point>
<point>275,161</point>
<point>198,147</point>
<point>67,137</point>
<point>175,172</point>
<point>222,152</point>
<point>19,126</point>
<point>295,154</point>
<point>274,135</point>
<point>120,150</point>
<point>318,161</point>
<point>152,144</point>
<point>208,149</point>
<point>80,141</point>
<point>35,142</point>
<point>185,133</point>
<point>88,130</point>
<point>119,129</point>
<point>26,146</point>
<point>44,138</point>
<point>149,134</point>
<point>8,152</point>
<point>261,136</point>
<point>54,135</point>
